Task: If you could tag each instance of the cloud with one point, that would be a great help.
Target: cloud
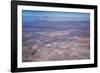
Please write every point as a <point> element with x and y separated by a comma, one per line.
<point>54,16</point>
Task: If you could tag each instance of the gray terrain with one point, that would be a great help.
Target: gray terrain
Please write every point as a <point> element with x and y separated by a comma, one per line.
<point>66,42</point>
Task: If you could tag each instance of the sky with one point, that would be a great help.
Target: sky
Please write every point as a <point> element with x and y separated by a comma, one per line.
<point>31,16</point>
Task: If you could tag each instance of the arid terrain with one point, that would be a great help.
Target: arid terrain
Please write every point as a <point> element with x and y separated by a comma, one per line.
<point>66,42</point>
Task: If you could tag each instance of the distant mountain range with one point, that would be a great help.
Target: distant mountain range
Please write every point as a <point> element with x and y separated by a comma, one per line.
<point>56,24</point>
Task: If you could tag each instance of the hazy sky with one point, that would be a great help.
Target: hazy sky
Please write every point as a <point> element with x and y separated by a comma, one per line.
<point>29,16</point>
